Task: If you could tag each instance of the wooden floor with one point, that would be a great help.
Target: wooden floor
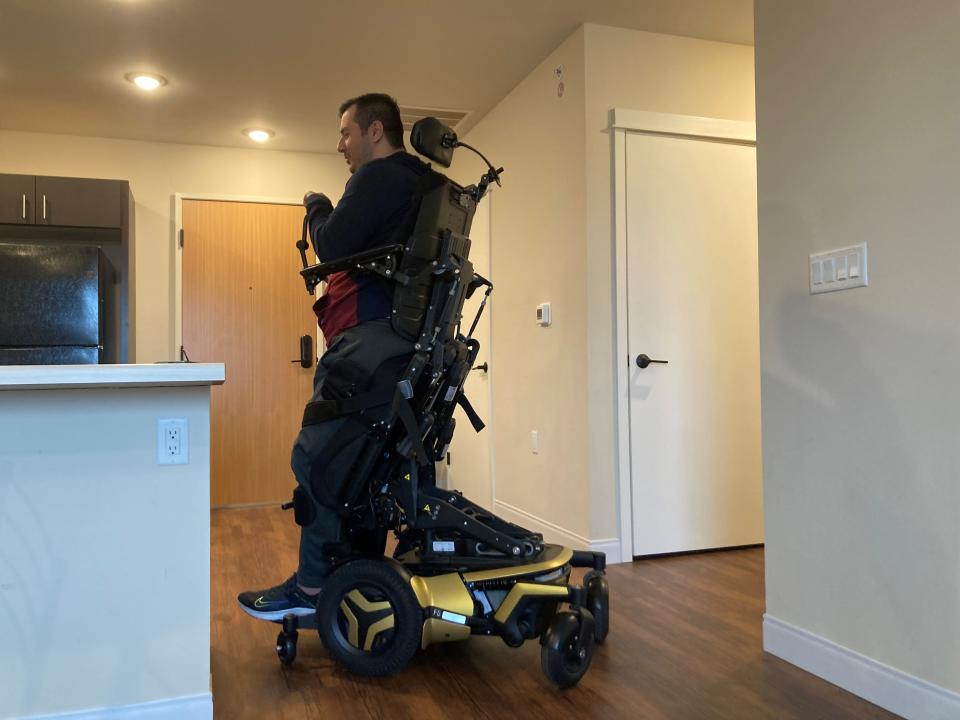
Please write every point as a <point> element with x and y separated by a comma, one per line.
<point>684,642</point>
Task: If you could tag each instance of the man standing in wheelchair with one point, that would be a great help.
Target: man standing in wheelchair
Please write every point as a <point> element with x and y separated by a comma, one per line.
<point>395,253</point>
<point>378,207</point>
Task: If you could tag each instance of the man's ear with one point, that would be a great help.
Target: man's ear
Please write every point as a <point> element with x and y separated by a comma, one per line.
<point>375,131</point>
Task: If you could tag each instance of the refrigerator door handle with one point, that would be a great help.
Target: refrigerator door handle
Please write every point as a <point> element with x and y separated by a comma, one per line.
<point>23,208</point>
<point>44,207</point>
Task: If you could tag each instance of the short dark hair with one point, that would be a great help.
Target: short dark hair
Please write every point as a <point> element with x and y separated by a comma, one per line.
<point>377,106</point>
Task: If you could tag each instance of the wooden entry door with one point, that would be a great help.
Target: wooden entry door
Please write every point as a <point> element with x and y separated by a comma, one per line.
<point>692,287</point>
<point>245,305</point>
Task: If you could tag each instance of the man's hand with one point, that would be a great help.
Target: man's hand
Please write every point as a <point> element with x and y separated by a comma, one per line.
<point>314,199</point>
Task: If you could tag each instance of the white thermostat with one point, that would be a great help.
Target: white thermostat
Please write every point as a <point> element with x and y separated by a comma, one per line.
<point>543,314</point>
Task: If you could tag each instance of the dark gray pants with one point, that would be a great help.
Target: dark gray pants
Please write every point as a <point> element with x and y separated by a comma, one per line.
<point>364,347</point>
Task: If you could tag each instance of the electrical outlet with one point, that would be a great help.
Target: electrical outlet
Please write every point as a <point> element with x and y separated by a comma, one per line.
<point>535,441</point>
<point>172,441</point>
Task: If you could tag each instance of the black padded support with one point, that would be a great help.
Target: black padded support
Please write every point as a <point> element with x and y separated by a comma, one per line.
<point>434,140</point>
<point>303,511</point>
<point>439,238</point>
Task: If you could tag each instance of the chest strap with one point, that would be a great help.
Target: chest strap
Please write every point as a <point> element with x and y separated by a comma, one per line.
<point>320,411</point>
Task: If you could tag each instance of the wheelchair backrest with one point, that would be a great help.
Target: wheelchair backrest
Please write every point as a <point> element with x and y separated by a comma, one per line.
<point>435,271</point>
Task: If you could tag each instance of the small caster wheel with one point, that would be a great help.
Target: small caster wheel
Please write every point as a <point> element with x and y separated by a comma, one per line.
<point>563,656</point>
<point>287,647</point>
<point>598,603</point>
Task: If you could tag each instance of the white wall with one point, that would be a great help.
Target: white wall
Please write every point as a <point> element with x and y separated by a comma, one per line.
<point>104,554</point>
<point>857,109</point>
<point>553,239</point>
<point>537,255</point>
<point>657,73</point>
<point>156,171</point>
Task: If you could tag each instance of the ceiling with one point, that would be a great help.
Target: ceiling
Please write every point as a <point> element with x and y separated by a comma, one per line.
<point>287,64</point>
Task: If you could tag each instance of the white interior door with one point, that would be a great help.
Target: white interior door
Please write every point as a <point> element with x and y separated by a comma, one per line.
<point>692,293</point>
<point>469,470</point>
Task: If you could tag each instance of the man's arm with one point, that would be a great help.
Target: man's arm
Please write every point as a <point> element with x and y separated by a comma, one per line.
<point>351,226</point>
<point>318,207</point>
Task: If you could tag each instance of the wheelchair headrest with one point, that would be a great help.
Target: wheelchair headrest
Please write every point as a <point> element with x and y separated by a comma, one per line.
<point>434,140</point>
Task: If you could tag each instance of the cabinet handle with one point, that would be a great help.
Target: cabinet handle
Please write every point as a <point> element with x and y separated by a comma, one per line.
<point>44,207</point>
<point>23,208</point>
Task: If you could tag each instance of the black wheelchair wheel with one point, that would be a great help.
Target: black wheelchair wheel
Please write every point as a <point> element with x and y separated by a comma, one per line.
<point>287,647</point>
<point>562,662</point>
<point>368,617</point>
<point>598,603</point>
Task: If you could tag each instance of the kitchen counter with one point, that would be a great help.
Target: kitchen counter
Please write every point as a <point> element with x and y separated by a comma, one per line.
<point>104,552</point>
<point>47,377</point>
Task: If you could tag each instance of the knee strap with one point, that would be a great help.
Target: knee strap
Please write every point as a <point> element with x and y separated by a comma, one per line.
<point>303,511</point>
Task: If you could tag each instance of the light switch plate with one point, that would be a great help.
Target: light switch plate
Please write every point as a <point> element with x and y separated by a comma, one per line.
<point>839,269</point>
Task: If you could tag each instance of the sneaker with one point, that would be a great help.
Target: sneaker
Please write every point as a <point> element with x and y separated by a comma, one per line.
<point>273,603</point>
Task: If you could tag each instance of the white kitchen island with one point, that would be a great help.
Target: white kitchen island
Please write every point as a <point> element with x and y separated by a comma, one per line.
<point>104,553</point>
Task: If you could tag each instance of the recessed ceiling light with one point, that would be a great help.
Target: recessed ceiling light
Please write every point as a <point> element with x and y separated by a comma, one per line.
<point>258,134</point>
<point>146,81</point>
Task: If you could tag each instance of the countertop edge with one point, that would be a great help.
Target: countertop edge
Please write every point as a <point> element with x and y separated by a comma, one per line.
<point>66,377</point>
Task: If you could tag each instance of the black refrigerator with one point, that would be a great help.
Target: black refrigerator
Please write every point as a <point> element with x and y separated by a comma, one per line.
<point>56,305</point>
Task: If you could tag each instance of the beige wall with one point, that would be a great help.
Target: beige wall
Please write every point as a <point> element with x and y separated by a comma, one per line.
<point>537,255</point>
<point>857,142</point>
<point>552,239</point>
<point>657,73</point>
<point>156,171</point>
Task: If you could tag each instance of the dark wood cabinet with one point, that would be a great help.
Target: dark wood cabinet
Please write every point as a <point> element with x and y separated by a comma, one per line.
<point>36,209</point>
<point>80,202</point>
<point>63,201</point>
<point>16,199</point>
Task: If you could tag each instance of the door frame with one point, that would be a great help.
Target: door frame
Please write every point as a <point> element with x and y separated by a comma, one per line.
<point>622,122</point>
<point>178,198</point>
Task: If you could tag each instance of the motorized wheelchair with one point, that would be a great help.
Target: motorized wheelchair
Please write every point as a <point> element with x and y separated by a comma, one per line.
<point>457,570</point>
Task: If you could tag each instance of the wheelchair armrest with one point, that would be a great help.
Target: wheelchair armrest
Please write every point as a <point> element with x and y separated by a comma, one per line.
<point>315,273</point>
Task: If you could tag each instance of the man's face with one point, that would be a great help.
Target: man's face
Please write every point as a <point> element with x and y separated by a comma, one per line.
<point>356,145</point>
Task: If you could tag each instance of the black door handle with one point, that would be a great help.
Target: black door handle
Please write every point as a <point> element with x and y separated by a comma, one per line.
<point>644,360</point>
<point>306,352</point>
<point>483,367</point>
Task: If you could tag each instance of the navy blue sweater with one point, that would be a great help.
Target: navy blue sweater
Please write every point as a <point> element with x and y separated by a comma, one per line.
<point>377,208</point>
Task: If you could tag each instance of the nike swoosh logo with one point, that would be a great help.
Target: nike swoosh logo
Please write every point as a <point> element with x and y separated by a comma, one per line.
<point>260,603</point>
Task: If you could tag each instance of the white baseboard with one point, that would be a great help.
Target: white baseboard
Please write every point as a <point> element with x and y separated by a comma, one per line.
<point>610,546</point>
<point>188,707</point>
<point>891,689</point>
<point>555,534</point>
